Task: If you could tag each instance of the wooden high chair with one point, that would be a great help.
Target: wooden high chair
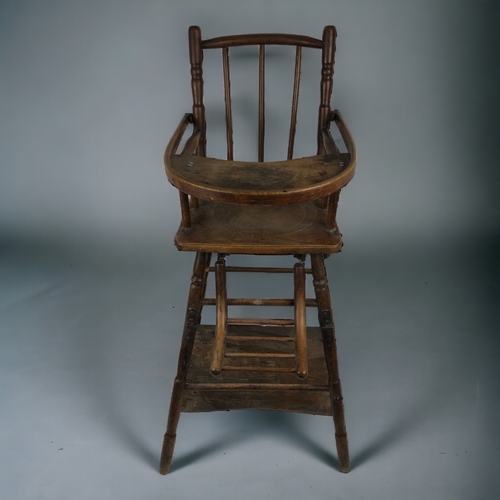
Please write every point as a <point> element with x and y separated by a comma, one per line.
<point>259,208</point>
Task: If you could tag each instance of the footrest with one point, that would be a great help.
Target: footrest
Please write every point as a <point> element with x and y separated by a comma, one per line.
<point>240,389</point>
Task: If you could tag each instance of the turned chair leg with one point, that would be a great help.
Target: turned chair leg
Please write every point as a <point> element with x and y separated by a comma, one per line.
<point>322,291</point>
<point>193,316</point>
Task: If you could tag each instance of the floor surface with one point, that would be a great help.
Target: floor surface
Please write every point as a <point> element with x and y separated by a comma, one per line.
<point>89,343</point>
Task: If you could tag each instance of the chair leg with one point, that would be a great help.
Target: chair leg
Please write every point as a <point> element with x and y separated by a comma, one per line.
<point>322,291</point>
<point>193,316</point>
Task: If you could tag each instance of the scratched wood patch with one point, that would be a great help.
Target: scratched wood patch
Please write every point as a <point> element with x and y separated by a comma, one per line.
<point>274,230</point>
<point>267,390</point>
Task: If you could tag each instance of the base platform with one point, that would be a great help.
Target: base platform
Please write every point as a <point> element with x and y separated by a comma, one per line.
<point>249,383</point>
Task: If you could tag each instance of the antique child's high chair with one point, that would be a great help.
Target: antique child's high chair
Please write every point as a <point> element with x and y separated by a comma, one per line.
<point>259,208</point>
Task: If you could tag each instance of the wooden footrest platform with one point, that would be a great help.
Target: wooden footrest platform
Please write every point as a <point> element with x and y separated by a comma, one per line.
<point>237,388</point>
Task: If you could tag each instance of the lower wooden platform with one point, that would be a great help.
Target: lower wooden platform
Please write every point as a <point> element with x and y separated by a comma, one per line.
<point>251,383</point>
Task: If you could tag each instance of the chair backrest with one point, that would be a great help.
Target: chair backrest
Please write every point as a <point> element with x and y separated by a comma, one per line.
<point>196,48</point>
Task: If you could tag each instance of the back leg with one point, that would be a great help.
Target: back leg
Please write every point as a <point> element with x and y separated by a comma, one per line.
<point>325,313</point>
<point>193,316</point>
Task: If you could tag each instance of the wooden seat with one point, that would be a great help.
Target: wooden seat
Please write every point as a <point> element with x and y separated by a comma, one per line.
<point>265,230</point>
<point>283,208</point>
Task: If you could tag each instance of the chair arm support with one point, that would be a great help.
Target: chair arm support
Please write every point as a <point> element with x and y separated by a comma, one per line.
<point>191,144</point>
<point>330,147</point>
<point>188,150</point>
<point>346,135</point>
<point>329,143</point>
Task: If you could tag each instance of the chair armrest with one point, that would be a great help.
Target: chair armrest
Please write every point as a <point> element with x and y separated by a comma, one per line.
<point>346,136</point>
<point>191,144</point>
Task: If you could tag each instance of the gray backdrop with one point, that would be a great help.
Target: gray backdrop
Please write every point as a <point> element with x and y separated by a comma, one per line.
<point>93,291</point>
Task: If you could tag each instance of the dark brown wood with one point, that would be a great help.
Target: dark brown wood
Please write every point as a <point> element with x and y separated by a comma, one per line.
<point>328,143</point>
<point>262,105</point>
<point>196,60</point>
<point>272,390</point>
<point>260,302</point>
<point>260,321</point>
<point>192,143</point>
<point>186,214</point>
<point>267,183</point>
<point>262,38</point>
<point>258,355</point>
<point>300,319</point>
<point>346,136</point>
<point>176,139</point>
<point>333,201</point>
<point>262,338</point>
<point>191,323</point>
<point>327,60</point>
<point>325,316</point>
<point>227,100</point>
<point>234,229</point>
<point>272,270</point>
<point>295,101</point>
<point>221,319</point>
<point>259,208</point>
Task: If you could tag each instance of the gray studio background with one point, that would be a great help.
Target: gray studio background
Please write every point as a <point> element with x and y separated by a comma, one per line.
<point>93,292</point>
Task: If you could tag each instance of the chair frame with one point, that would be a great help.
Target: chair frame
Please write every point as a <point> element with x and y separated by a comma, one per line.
<point>202,385</point>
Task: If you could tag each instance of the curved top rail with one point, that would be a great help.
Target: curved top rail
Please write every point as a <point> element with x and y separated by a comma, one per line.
<point>262,39</point>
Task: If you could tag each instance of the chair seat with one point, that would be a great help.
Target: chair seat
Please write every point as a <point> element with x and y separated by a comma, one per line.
<point>259,230</point>
<point>280,182</point>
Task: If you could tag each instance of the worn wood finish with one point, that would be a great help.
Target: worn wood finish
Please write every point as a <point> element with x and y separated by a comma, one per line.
<point>196,60</point>
<point>186,213</point>
<point>333,202</point>
<point>271,390</point>
<point>192,320</point>
<point>300,319</point>
<point>192,143</point>
<point>325,316</point>
<point>262,105</point>
<point>259,230</point>
<point>272,270</point>
<point>295,101</point>
<point>258,339</point>
<point>221,319</point>
<point>227,102</point>
<point>260,302</point>
<point>326,86</point>
<point>259,208</point>
<point>262,39</point>
<point>268,183</point>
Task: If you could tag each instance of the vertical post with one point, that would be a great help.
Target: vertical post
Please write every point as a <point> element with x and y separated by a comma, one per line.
<point>333,202</point>
<point>295,101</point>
<point>227,100</point>
<point>185,211</point>
<point>327,62</point>
<point>262,108</point>
<point>220,316</point>
<point>299,282</point>
<point>196,60</point>
<point>325,315</point>
<point>192,320</point>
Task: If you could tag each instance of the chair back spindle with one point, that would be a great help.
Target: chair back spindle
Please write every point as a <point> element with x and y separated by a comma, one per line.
<point>196,47</point>
<point>262,106</point>
<point>227,100</point>
<point>295,101</point>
